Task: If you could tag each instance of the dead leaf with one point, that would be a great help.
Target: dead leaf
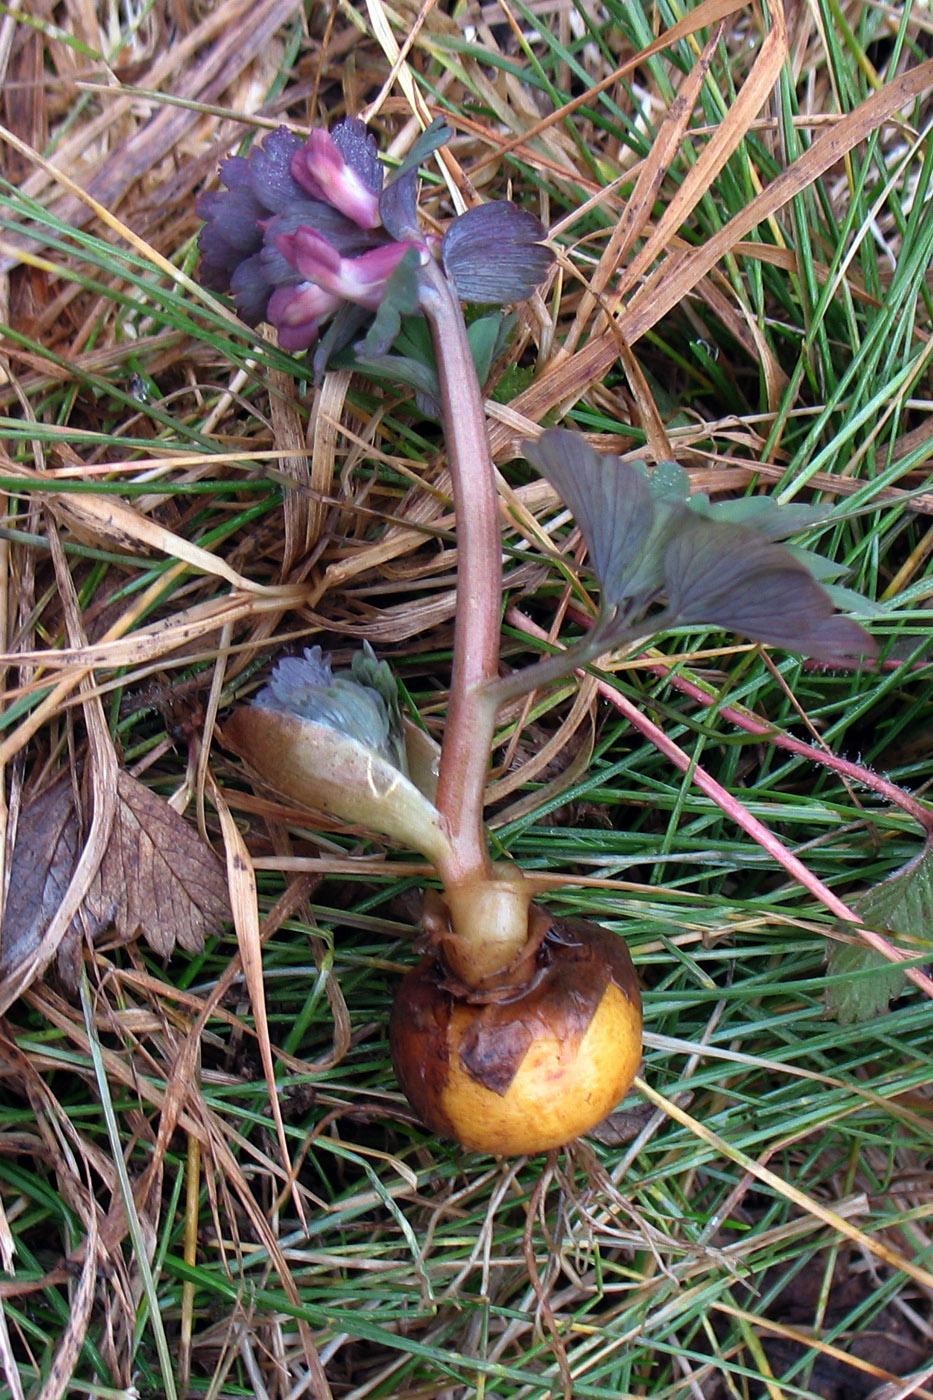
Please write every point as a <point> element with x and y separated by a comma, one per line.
<point>44,858</point>
<point>157,879</point>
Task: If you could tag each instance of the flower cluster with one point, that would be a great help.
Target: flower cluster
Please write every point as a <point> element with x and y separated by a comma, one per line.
<point>305,228</point>
<point>297,231</point>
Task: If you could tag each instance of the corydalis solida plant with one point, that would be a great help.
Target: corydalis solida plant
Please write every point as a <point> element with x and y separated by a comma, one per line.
<point>520,1030</point>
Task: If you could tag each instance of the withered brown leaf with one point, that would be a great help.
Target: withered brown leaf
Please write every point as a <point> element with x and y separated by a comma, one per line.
<point>44,857</point>
<point>158,878</point>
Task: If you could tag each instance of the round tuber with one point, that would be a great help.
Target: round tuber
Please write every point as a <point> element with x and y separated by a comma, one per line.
<point>528,1067</point>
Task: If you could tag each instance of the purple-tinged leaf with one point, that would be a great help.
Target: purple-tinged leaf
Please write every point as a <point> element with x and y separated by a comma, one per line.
<point>729,576</point>
<point>624,525</point>
<point>398,205</point>
<point>359,149</point>
<point>251,289</point>
<point>238,213</point>
<point>493,254</point>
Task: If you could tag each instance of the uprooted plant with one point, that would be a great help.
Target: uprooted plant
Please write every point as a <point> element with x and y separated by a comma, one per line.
<point>519,1030</point>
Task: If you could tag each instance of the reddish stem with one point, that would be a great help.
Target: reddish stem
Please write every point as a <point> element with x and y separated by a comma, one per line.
<point>470,723</point>
<point>753,724</point>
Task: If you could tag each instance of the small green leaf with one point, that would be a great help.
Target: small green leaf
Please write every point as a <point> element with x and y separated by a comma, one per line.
<point>488,336</point>
<point>771,519</point>
<point>904,902</point>
<point>399,299</point>
<point>863,983</point>
<point>901,905</point>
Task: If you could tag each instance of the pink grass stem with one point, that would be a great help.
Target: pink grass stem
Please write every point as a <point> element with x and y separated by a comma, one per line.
<point>754,724</point>
<point>741,816</point>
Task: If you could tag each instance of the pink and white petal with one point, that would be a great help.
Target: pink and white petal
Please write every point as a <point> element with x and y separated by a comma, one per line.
<point>339,184</point>
<point>312,255</point>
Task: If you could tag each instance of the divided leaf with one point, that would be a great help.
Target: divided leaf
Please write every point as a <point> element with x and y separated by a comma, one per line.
<point>614,507</point>
<point>647,543</point>
<point>158,877</point>
<point>730,576</point>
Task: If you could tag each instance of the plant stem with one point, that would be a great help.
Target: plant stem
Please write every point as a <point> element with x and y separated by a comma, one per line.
<point>470,724</point>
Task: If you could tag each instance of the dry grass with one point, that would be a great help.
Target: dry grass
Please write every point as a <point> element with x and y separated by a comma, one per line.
<point>741,283</point>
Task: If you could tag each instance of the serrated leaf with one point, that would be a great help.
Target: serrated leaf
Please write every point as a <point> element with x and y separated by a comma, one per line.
<point>158,878</point>
<point>901,905</point>
<point>863,984</point>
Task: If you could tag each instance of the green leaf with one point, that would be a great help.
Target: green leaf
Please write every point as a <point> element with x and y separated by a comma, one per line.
<point>901,905</point>
<point>766,515</point>
<point>863,983</point>
<point>488,337</point>
<point>399,299</point>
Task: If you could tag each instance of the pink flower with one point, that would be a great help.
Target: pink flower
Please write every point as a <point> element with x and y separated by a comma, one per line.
<point>360,279</point>
<point>297,313</point>
<point>320,168</point>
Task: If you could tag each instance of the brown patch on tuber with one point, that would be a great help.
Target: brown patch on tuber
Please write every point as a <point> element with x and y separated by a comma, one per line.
<point>530,1069</point>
